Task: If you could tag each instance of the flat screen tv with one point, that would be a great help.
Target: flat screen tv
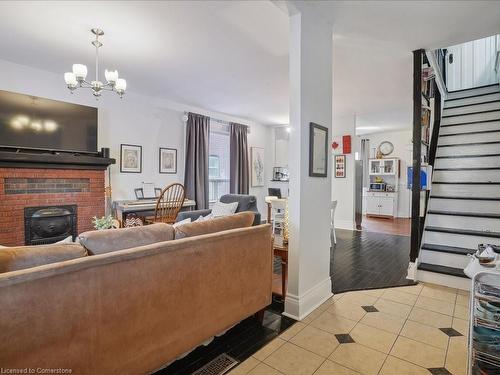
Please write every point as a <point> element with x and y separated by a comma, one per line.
<point>30,122</point>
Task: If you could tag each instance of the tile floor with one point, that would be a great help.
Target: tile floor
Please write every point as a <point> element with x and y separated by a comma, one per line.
<point>411,330</point>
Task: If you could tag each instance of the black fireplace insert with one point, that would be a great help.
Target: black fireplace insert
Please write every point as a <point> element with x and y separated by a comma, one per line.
<point>49,224</point>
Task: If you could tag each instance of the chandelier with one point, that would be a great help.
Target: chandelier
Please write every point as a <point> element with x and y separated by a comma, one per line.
<point>77,78</point>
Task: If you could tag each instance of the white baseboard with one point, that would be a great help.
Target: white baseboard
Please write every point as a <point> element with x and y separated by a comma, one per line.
<point>412,271</point>
<point>298,307</point>
<point>441,279</point>
<point>345,224</point>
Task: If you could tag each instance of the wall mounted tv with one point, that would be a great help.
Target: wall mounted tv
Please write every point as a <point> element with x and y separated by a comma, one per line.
<point>30,122</point>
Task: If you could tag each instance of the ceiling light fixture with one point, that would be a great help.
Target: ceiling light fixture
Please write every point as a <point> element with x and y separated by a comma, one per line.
<point>76,78</point>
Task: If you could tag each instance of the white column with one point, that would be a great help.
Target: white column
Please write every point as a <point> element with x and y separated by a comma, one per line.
<point>309,282</point>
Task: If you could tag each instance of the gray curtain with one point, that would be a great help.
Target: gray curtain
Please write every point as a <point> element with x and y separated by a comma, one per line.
<point>196,171</point>
<point>238,170</point>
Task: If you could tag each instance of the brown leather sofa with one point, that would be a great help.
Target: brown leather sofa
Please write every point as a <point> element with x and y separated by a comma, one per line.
<point>133,310</point>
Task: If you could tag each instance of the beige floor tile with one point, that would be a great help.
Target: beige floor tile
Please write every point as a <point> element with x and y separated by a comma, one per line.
<point>396,366</point>
<point>461,312</point>
<point>263,369</point>
<point>430,318</point>
<point>393,308</point>
<point>333,323</point>
<point>418,353</point>
<point>462,300</point>
<point>292,331</point>
<point>394,295</point>
<point>439,292</point>
<point>386,322</point>
<point>358,298</point>
<point>373,292</point>
<point>456,359</point>
<point>331,368</point>
<point>264,352</point>
<point>337,296</point>
<point>347,310</point>
<point>425,334</point>
<point>435,305</point>
<point>316,341</point>
<point>292,360</point>
<point>463,292</point>
<point>373,338</point>
<point>412,289</point>
<point>313,315</point>
<point>245,367</point>
<point>359,358</point>
<point>461,325</point>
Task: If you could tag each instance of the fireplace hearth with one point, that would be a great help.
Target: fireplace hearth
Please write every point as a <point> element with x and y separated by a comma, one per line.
<point>49,224</point>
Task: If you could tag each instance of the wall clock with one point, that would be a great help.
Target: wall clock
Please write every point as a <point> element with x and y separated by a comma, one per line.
<point>386,148</point>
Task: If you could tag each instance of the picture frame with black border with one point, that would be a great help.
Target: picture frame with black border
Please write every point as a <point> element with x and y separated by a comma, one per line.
<point>130,158</point>
<point>167,160</point>
<point>318,150</point>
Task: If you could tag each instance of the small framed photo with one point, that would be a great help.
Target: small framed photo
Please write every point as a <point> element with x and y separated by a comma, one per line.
<point>168,160</point>
<point>318,150</point>
<point>339,166</point>
<point>130,158</point>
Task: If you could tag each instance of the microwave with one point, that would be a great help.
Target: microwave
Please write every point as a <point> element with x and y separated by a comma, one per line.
<point>377,186</point>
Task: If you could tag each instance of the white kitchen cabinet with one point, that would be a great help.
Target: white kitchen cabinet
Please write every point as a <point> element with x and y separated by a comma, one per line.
<point>381,204</point>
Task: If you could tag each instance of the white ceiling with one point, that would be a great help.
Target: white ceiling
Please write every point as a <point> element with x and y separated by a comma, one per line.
<point>225,56</point>
<point>232,56</point>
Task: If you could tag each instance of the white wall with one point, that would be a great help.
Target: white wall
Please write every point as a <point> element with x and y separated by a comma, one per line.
<point>136,119</point>
<point>343,188</point>
<point>402,141</point>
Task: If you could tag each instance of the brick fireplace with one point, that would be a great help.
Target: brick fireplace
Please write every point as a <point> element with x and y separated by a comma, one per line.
<point>34,187</point>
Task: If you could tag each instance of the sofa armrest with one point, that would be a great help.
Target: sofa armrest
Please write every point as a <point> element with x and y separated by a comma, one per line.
<point>193,215</point>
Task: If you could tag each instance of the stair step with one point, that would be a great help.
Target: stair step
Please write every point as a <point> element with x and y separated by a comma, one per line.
<point>475,91</point>
<point>468,214</point>
<point>473,107</point>
<point>447,249</point>
<point>471,162</point>
<point>472,100</point>
<point>471,113</point>
<point>466,156</point>
<point>470,144</point>
<point>474,175</point>
<point>466,198</point>
<point>468,169</point>
<point>464,205</point>
<point>469,128</point>
<point>442,269</point>
<point>465,183</point>
<point>471,118</point>
<point>471,133</point>
<point>464,232</point>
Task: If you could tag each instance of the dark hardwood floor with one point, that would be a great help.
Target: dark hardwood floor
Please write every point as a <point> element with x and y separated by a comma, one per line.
<point>240,342</point>
<point>368,260</point>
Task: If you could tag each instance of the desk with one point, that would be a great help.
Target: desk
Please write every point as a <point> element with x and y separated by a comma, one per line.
<point>282,252</point>
<point>143,207</point>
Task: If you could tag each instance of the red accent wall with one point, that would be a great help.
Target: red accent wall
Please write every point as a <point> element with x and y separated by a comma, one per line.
<point>90,202</point>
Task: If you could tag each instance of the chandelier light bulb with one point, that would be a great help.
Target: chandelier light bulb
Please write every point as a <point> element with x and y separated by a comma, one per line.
<point>111,76</point>
<point>80,71</point>
<point>70,79</point>
<point>121,84</point>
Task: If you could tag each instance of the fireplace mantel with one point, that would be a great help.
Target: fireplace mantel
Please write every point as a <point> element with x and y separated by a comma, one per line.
<point>10,159</point>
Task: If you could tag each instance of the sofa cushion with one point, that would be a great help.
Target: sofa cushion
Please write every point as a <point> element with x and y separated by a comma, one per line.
<point>21,257</point>
<point>105,241</point>
<point>217,224</point>
<point>224,209</point>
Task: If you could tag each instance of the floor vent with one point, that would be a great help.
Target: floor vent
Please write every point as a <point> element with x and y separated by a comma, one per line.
<point>218,366</point>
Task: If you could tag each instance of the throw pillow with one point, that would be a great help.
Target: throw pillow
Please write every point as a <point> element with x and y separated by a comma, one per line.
<point>224,209</point>
<point>68,239</point>
<point>182,222</point>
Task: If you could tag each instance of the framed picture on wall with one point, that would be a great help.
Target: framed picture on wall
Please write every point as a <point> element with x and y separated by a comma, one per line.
<point>318,150</point>
<point>339,166</point>
<point>130,158</point>
<point>168,160</point>
<point>257,166</point>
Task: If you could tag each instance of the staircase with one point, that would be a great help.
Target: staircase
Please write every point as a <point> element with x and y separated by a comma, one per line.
<point>464,205</point>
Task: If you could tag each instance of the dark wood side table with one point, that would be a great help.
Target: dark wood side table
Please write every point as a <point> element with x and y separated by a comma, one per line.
<point>282,252</point>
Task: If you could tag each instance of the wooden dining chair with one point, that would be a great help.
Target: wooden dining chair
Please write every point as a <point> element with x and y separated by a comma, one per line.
<point>169,203</point>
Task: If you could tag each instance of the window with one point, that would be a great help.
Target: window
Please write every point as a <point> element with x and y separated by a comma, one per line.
<point>218,161</point>
<point>213,166</point>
